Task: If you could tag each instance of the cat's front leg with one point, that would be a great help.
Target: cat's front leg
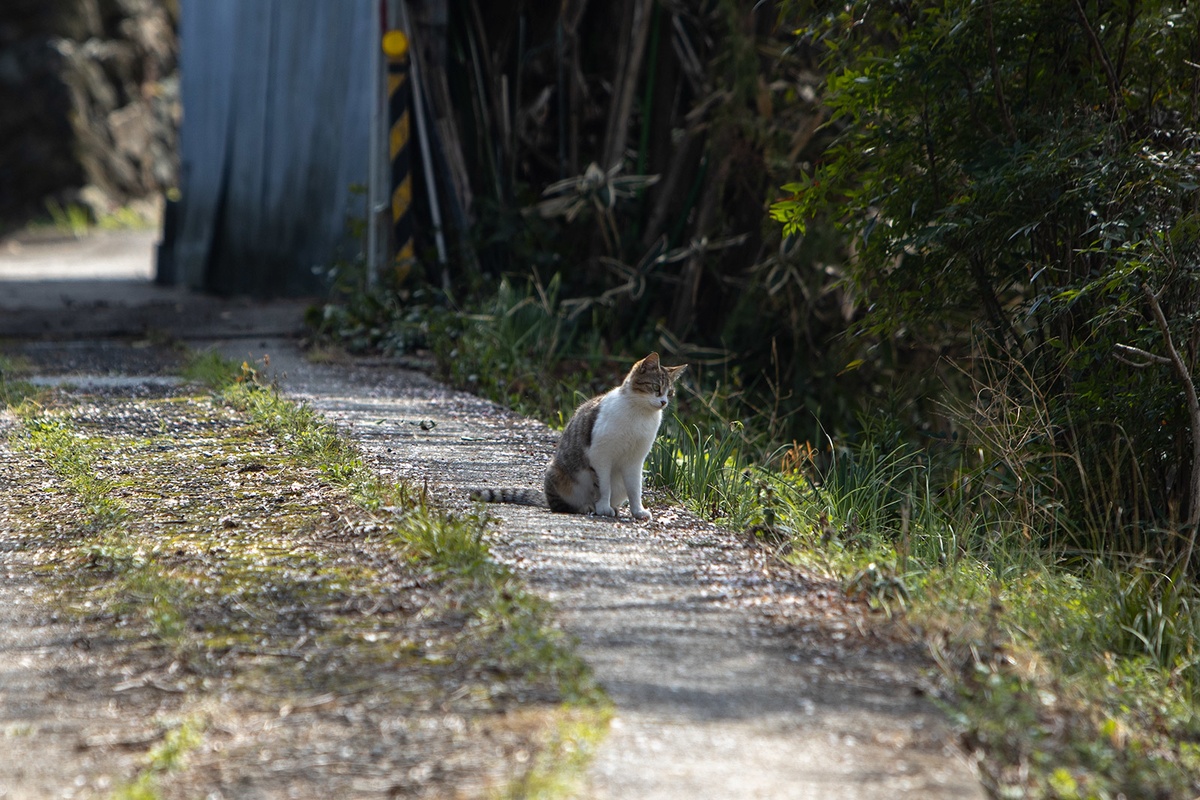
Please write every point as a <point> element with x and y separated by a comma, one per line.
<point>633,485</point>
<point>604,485</point>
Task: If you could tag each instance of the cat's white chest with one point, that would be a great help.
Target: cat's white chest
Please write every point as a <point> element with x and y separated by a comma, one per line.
<point>625,427</point>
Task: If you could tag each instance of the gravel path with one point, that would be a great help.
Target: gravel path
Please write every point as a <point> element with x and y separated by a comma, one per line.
<point>64,732</point>
<point>733,677</point>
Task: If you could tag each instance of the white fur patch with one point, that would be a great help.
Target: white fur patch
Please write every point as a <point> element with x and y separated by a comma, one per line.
<point>622,436</point>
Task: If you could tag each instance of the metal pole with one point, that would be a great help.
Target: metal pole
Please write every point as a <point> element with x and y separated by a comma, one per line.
<point>426,159</point>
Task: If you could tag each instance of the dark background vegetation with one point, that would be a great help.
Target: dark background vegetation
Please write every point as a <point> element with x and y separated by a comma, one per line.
<point>719,102</point>
<point>976,194</point>
<point>933,267</point>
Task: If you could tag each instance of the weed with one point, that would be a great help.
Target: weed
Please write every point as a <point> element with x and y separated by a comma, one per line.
<point>519,346</point>
<point>166,757</point>
<point>73,220</point>
<point>211,369</point>
<point>77,221</point>
<point>450,543</point>
<point>13,390</point>
<point>706,471</point>
<point>1153,615</point>
<point>298,428</point>
<point>73,458</point>
<point>558,768</point>
<point>879,585</point>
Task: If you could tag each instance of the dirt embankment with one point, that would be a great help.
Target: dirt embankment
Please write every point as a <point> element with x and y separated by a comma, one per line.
<point>89,104</point>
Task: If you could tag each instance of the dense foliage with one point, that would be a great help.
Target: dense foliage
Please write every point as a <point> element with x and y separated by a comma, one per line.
<point>634,173</point>
<point>1018,182</point>
<point>958,376</point>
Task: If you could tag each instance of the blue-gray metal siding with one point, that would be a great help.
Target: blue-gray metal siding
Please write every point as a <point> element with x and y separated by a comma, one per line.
<point>275,129</point>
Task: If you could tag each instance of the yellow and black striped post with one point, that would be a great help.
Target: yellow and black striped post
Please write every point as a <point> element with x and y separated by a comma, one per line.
<point>395,47</point>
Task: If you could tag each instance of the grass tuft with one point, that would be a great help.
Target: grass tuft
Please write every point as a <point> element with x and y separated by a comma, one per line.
<point>706,471</point>
<point>13,390</point>
<point>73,458</point>
<point>212,370</point>
<point>168,756</point>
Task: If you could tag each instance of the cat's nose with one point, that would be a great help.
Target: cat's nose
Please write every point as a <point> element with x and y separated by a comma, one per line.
<point>662,402</point>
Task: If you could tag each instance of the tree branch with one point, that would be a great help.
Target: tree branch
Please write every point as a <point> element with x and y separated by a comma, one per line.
<point>991,41</point>
<point>1124,350</point>
<point>1109,72</point>
<point>1185,377</point>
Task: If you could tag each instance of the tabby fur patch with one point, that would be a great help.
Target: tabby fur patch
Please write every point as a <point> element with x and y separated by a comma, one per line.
<point>520,497</point>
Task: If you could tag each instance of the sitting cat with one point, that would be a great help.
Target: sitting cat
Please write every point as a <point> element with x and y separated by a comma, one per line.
<point>597,464</point>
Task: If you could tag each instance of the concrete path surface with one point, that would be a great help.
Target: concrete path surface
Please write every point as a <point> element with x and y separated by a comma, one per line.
<point>732,676</point>
<point>116,255</point>
<point>101,285</point>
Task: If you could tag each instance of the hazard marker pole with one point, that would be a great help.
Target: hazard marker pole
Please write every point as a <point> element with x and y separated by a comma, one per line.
<point>395,47</point>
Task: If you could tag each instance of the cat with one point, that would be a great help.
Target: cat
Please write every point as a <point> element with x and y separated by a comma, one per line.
<point>597,464</point>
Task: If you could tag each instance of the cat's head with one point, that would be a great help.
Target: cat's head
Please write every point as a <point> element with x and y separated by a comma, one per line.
<point>650,379</point>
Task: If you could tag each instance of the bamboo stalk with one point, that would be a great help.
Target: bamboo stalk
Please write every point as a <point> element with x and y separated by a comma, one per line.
<point>683,160</point>
<point>626,85</point>
<point>683,313</point>
<point>1193,404</point>
<point>435,211</point>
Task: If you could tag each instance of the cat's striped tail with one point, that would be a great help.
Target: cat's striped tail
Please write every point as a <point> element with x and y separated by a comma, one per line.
<point>521,497</point>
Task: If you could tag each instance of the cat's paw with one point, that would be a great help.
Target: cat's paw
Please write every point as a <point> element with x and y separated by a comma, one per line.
<point>605,510</point>
<point>642,515</point>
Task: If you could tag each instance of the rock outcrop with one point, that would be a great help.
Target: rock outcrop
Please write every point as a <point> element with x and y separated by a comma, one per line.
<point>89,104</point>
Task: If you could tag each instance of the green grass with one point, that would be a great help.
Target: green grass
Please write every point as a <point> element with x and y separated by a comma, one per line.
<point>558,769</point>
<point>168,756</point>
<point>201,589</point>
<point>72,456</point>
<point>74,220</point>
<point>210,369</point>
<point>1076,678</point>
<point>707,472</point>
<point>525,347</point>
<point>77,221</point>
<point>13,390</point>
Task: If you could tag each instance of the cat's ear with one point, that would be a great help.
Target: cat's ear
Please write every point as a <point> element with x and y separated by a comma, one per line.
<point>674,372</point>
<point>649,362</point>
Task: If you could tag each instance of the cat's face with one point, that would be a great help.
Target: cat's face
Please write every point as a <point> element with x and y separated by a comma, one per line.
<point>653,382</point>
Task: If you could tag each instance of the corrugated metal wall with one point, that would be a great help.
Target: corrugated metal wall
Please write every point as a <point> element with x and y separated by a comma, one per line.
<point>275,130</point>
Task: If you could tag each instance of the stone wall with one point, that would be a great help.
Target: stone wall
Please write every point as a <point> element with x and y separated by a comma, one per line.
<point>89,104</point>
